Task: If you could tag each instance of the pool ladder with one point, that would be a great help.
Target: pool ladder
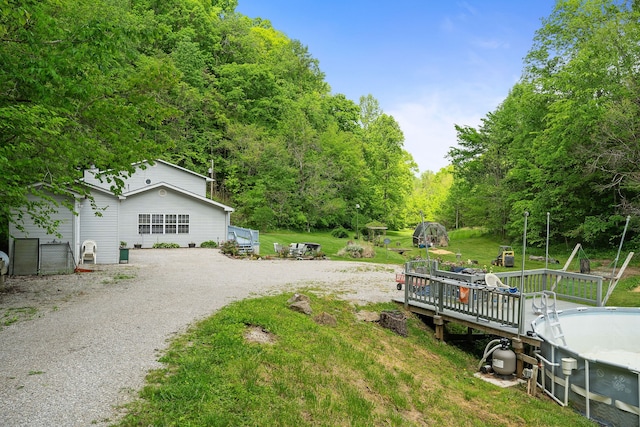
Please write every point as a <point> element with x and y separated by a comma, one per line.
<point>548,309</point>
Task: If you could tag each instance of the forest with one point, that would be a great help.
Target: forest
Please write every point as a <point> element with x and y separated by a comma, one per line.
<point>110,83</point>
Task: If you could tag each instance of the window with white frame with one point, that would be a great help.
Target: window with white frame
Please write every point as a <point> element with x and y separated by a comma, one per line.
<point>163,223</point>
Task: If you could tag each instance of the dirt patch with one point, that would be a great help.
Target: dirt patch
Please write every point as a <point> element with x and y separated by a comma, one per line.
<point>259,335</point>
<point>440,251</point>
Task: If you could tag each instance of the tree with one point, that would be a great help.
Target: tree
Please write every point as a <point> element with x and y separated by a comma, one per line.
<point>390,165</point>
<point>75,92</point>
<point>584,60</point>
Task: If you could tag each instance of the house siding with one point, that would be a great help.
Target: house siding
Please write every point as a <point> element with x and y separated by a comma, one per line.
<point>101,229</point>
<point>206,222</point>
<point>171,190</point>
<point>159,172</point>
<point>31,230</point>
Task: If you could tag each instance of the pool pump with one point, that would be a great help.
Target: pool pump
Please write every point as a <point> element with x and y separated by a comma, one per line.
<point>503,359</point>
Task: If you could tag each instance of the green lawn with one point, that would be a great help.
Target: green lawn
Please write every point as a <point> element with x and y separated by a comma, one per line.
<point>351,374</point>
<point>309,373</point>
<point>472,245</point>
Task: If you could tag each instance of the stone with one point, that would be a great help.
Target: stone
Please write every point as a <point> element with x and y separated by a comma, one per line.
<point>299,297</point>
<point>325,319</point>
<point>301,307</point>
<point>394,320</point>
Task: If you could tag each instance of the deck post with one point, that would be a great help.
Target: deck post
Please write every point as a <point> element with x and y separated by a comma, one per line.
<point>438,321</point>
<point>518,348</point>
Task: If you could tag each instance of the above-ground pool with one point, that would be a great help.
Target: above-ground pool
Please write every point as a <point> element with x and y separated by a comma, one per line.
<point>599,349</point>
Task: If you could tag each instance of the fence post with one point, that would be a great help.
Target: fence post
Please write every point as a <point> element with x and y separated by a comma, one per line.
<point>407,279</point>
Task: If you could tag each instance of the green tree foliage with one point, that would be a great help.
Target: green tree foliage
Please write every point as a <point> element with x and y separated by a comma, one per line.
<point>74,92</point>
<point>564,141</point>
<point>109,83</point>
<point>429,196</point>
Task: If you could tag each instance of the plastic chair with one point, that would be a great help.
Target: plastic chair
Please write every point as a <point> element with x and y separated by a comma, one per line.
<point>493,281</point>
<point>89,251</point>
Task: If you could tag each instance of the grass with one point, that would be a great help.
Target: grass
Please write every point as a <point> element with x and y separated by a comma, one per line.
<point>352,374</point>
<point>12,315</point>
<point>472,245</point>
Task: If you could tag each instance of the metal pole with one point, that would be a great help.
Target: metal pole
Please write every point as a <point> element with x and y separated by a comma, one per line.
<point>211,189</point>
<point>546,256</point>
<point>357,228</point>
<point>524,248</point>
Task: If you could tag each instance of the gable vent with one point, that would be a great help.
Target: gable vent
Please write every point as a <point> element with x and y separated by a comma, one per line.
<point>162,192</point>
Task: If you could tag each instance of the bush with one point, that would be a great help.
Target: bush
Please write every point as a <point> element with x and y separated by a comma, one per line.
<point>230,247</point>
<point>357,251</point>
<point>339,233</point>
<point>209,244</point>
<point>165,245</point>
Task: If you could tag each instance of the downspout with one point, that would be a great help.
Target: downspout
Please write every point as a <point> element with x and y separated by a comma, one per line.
<point>76,232</point>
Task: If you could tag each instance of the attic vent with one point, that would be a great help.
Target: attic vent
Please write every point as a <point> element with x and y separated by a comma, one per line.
<point>148,181</point>
<point>162,192</point>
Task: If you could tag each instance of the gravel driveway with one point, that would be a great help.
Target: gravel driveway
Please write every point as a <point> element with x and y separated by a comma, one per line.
<point>73,347</point>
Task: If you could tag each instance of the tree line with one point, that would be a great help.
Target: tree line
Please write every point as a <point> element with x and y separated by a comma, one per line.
<point>110,83</point>
<point>565,140</point>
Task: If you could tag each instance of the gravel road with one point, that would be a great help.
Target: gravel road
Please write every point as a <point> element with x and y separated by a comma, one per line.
<point>74,347</point>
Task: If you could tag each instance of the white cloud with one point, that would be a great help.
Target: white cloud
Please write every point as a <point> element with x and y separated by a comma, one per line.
<point>428,121</point>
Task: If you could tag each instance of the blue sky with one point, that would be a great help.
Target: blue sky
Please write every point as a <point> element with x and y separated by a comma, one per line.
<point>430,63</point>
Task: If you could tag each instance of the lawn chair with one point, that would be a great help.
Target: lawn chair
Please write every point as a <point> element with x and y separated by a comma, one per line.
<point>493,281</point>
<point>89,251</point>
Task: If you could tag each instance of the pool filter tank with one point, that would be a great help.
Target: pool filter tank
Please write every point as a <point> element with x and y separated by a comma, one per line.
<point>504,359</point>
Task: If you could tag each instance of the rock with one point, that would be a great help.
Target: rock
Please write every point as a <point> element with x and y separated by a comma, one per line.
<point>299,297</point>
<point>325,319</point>
<point>394,320</point>
<point>301,307</point>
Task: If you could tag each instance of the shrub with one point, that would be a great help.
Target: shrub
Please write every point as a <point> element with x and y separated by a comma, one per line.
<point>339,233</point>
<point>209,244</point>
<point>230,247</point>
<point>357,251</point>
<point>165,245</point>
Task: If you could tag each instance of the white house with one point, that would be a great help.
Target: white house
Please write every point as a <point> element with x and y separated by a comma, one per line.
<point>160,203</point>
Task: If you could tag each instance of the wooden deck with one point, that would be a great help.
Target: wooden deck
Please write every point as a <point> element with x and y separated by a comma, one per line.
<point>491,327</point>
<point>505,311</point>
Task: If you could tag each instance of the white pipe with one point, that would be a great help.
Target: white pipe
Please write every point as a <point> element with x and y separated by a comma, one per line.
<point>544,378</point>
<point>524,249</point>
<point>586,384</point>
<point>487,353</point>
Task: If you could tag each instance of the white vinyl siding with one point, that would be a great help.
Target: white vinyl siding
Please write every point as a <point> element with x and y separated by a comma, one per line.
<point>102,229</point>
<point>152,175</point>
<point>195,220</point>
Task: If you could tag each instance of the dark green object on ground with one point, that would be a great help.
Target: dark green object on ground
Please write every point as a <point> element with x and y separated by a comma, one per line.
<point>124,255</point>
